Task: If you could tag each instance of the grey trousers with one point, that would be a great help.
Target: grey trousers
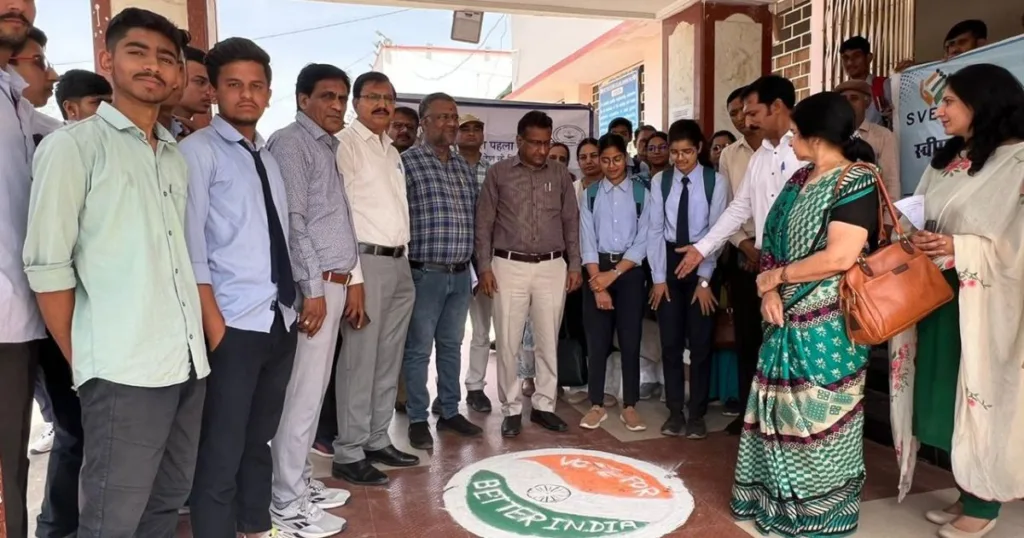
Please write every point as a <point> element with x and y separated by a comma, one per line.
<point>17,377</point>
<point>140,455</point>
<point>371,359</point>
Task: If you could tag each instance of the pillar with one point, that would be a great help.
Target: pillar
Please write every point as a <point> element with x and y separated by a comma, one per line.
<point>199,17</point>
<point>710,49</point>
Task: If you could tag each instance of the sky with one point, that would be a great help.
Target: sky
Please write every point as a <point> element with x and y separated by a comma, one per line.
<point>315,32</point>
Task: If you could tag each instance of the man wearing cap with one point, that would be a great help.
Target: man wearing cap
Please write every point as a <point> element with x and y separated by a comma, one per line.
<point>858,92</point>
<point>470,140</point>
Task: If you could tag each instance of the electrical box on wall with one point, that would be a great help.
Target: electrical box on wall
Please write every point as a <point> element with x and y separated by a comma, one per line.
<point>466,26</point>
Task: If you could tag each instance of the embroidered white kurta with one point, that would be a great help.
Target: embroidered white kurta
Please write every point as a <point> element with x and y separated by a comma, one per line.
<point>985,215</point>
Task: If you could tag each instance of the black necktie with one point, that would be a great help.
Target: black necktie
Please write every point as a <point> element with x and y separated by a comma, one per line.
<point>280,263</point>
<point>683,216</point>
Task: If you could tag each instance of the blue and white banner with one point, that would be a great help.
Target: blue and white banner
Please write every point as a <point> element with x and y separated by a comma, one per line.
<point>921,87</point>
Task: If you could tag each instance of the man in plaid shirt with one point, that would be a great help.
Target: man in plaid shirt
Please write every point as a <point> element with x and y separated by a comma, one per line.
<point>442,191</point>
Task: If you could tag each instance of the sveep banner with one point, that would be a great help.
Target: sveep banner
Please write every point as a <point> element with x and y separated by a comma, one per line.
<point>921,88</point>
<point>501,119</point>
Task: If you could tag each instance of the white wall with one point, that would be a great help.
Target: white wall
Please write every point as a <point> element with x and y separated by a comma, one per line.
<point>934,18</point>
<point>475,74</point>
<point>541,42</point>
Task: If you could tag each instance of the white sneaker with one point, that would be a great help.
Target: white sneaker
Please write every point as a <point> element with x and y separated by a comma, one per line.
<point>43,443</point>
<point>303,519</point>
<point>325,497</point>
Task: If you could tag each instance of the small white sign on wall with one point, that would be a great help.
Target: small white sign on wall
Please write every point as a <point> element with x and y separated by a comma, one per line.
<point>466,26</point>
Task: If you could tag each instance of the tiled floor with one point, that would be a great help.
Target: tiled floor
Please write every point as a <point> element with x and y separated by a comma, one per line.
<point>412,507</point>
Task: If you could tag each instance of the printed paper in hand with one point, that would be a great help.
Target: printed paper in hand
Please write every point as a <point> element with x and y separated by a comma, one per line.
<point>913,209</point>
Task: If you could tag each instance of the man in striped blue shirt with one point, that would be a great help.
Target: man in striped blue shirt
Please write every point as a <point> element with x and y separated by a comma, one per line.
<point>442,191</point>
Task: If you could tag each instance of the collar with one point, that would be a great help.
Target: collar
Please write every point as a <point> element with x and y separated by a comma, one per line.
<point>865,127</point>
<point>607,185</point>
<point>229,133</point>
<point>119,121</point>
<point>311,126</point>
<point>516,161</point>
<point>677,174</point>
<point>783,142</point>
<point>10,77</point>
<point>742,142</point>
<point>365,133</point>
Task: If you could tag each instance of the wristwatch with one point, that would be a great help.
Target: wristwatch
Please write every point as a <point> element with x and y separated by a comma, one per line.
<point>704,283</point>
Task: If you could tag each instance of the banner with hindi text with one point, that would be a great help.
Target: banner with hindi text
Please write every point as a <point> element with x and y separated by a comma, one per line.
<point>572,123</point>
<point>921,87</point>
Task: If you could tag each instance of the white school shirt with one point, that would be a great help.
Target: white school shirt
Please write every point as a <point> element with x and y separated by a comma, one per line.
<point>769,170</point>
<point>375,183</point>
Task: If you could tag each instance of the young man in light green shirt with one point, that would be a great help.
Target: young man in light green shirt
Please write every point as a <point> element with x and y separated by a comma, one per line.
<point>106,256</point>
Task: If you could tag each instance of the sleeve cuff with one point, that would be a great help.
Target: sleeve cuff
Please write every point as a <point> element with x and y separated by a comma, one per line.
<point>357,274</point>
<point>312,289</point>
<point>575,267</point>
<point>51,278</point>
<point>703,247</point>
<point>202,272</point>
<point>589,259</point>
<point>657,279</point>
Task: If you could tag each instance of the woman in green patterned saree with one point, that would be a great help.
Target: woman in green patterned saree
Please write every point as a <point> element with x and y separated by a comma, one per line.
<point>800,468</point>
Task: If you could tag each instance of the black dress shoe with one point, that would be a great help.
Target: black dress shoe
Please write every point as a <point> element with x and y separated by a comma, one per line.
<point>512,426</point>
<point>360,473</point>
<point>419,436</point>
<point>478,401</point>
<point>459,425</point>
<point>735,427</point>
<point>392,457</point>
<point>548,421</point>
<point>673,427</point>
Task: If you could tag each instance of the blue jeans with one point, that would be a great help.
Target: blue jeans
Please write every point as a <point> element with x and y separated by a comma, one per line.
<point>439,316</point>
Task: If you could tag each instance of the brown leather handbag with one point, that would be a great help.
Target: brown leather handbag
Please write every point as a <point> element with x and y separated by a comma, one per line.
<point>892,288</point>
<point>725,325</point>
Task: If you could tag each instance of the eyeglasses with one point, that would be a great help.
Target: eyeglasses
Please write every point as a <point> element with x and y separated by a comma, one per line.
<point>399,126</point>
<point>546,144</point>
<point>376,98</point>
<point>445,118</point>
<point>616,160</point>
<point>656,148</point>
<point>37,60</point>
<point>685,152</point>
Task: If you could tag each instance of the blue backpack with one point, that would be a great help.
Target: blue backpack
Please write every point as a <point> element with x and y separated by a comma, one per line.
<point>639,194</point>
<point>709,184</point>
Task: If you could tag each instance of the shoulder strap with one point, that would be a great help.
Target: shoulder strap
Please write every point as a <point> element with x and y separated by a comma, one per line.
<point>639,195</point>
<point>591,195</point>
<point>666,184</point>
<point>709,183</point>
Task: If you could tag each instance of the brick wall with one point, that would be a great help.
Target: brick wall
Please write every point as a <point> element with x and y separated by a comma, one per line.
<point>791,50</point>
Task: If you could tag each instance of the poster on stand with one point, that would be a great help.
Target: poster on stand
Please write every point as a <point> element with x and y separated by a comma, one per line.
<point>921,88</point>
<point>572,123</point>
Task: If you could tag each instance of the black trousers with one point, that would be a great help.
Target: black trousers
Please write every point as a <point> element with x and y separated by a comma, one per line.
<point>249,373</point>
<point>573,326</point>
<point>625,320</point>
<point>746,307</point>
<point>18,367</point>
<point>683,326</point>
<point>59,515</point>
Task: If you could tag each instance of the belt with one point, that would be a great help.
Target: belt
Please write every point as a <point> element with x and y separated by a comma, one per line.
<point>338,278</point>
<point>450,268</point>
<point>609,257</point>
<point>377,250</point>
<point>527,258</point>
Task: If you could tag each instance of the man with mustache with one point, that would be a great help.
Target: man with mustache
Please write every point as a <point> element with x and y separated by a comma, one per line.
<point>767,103</point>
<point>106,249</point>
<point>21,328</point>
<point>323,248</point>
<point>442,192</point>
<point>381,294</point>
<point>192,94</point>
<point>235,228</point>
<point>404,128</point>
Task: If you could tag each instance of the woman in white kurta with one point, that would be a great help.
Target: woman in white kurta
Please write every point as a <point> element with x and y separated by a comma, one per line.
<point>962,366</point>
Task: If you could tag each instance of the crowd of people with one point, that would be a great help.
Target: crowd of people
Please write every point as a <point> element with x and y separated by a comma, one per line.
<point>197,307</point>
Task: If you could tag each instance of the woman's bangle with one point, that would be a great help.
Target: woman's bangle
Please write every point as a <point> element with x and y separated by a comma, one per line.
<point>783,277</point>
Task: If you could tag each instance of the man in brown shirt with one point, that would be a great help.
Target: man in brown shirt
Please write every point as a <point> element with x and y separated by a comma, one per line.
<point>527,226</point>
